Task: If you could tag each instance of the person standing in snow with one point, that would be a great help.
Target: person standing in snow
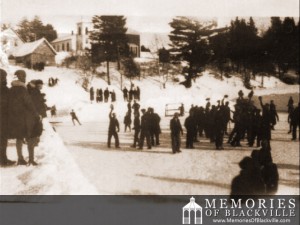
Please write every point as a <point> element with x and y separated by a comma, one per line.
<point>295,122</point>
<point>191,129</point>
<point>4,103</point>
<point>106,95</point>
<point>145,130</point>
<point>74,117</point>
<point>113,96</point>
<point>100,95</point>
<point>92,94</point>
<point>176,130</point>
<point>274,115</point>
<point>138,93</point>
<point>24,119</point>
<point>125,94</point>
<point>136,128</point>
<point>113,129</point>
<point>127,122</point>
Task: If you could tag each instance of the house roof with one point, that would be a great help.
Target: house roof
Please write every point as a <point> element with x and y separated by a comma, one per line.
<point>63,38</point>
<point>192,204</point>
<point>11,31</point>
<point>30,47</point>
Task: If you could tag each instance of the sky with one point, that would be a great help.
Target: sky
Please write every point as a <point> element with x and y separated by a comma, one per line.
<point>144,16</point>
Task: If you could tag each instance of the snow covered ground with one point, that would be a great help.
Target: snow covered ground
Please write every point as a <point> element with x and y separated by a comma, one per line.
<point>75,160</point>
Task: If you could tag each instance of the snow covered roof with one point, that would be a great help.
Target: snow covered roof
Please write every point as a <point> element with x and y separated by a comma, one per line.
<point>30,47</point>
<point>63,38</point>
<point>192,204</point>
<point>131,31</point>
<point>12,33</point>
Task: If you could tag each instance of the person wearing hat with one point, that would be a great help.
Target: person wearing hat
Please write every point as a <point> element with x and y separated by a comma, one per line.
<point>23,118</point>
<point>176,130</point>
<point>113,129</point>
<point>4,101</point>
<point>145,133</point>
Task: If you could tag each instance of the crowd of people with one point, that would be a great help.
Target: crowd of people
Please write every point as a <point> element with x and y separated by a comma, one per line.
<point>22,108</point>
<point>251,123</point>
<point>134,93</point>
<point>102,96</point>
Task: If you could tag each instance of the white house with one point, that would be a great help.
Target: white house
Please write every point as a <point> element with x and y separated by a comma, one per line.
<point>10,40</point>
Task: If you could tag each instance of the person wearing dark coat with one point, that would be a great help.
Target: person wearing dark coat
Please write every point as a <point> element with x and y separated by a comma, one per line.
<point>176,130</point>
<point>127,122</point>
<point>273,114</point>
<point>135,106</point>
<point>130,94</point>
<point>125,94</point>
<point>74,117</point>
<point>290,104</point>
<point>138,93</point>
<point>100,95</point>
<point>154,127</point>
<point>34,89</point>
<point>145,130</point>
<point>106,95</point>
<point>92,94</point>
<point>137,129</point>
<point>295,122</point>
<point>24,120</point>
<point>266,123</point>
<point>113,96</point>
<point>191,129</point>
<point>4,103</point>
<point>113,129</point>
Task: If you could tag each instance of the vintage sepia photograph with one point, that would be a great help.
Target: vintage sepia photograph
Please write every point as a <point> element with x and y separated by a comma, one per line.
<point>149,97</point>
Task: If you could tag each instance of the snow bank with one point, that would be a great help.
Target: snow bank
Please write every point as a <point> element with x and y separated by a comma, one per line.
<point>56,174</point>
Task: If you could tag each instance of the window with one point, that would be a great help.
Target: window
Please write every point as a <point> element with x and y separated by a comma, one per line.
<point>68,47</point>
<point>86,30</point>
<point>63,47</point>
<point>79,30</point>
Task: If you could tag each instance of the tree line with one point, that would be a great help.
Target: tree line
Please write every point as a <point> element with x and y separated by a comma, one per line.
<point>237,48</point>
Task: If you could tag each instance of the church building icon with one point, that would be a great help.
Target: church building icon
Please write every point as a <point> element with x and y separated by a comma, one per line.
<point>192,213</point>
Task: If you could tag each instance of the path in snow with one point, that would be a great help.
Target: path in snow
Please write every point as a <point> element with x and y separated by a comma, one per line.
<point>157,171</point>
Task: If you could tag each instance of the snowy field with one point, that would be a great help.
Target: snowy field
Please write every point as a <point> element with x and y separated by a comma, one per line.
<point>75,159</point>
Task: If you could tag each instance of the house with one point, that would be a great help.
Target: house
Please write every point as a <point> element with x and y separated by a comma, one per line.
<point>81,41</point>
<point>31,53</point>
<point>65,43</point>
<point>10,40</point>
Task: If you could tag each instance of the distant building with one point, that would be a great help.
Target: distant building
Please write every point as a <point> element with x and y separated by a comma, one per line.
<point>80,41</point>
<point>10,40</point>
<point>35,52</point>
<point>65,43</point>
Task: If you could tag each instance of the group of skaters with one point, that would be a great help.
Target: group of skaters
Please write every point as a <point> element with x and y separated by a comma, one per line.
<point>146,126</point>
<point>102,96</point>
<point>134,93</point>
<point>251,123</point>
<point>22,108</point>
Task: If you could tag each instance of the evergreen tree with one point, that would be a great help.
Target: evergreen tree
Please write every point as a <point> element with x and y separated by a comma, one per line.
<point>35,29</point>
<point>109,40</point>
<point>190,43</point>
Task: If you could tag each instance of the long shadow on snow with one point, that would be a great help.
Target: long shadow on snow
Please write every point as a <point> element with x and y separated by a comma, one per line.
<point>188,181</point>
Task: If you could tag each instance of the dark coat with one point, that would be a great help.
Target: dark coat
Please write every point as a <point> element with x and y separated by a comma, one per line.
<point>137,123</point>
<point>4,98</point>
<point>175,127</point>
<point>113,124</point>
<point>23,118</point>
<point>38,101</point>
